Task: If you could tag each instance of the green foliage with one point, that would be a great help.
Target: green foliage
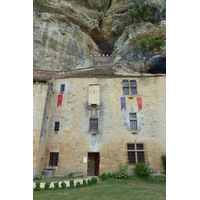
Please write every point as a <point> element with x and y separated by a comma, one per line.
<point>40,177</point>
<point>78,184</point>
<point>123,171</point>
<point>103,176</point>
<point>47,185</point>
<point>84,183</point>
<point>163,158</point>
<point>56,186</point>
<point>157,179</point>
<point>70,175</point>
<point>89,182</point>
<point>142,170</point>
<point>112,175</point>
<point>93,180</point>
<point>37,186</point>
<point>148,44</point>
<point>71,183</point>
<point>138,14</point>
<point>63,185</point>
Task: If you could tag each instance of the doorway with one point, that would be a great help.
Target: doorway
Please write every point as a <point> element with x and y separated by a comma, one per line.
<point>93,164</point>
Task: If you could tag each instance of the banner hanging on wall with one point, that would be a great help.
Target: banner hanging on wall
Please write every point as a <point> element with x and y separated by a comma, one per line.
<point>139,102</point>
<point>123,103</point>
<point>60,96</point>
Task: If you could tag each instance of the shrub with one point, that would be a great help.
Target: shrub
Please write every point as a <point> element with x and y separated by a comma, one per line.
<point>47,185</point>
<point>40,177</point>
<point>139,13</point>
<point>157,179</point>
<point>70,175</point>
<point>148,44</point>
<point>63,185</point>
<point>142,170</point>
<point>112,175</point>
<point>84,183</point>
<point>93,180</point>
<point>89,182</point>
<point>56,186</point>
<point>123,171</point>
<point>37,186</point>
<point>71,183</point>
<point>103,176</point>
<point>78,184</point>
<point>163,158</point>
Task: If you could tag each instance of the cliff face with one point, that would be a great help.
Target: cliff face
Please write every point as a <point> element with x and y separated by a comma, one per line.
<point>68,32</point>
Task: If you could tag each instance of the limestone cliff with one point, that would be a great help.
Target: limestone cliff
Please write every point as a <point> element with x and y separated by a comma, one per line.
<point>68,32</point>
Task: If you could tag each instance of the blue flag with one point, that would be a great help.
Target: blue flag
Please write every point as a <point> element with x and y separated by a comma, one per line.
<point>123,103</point>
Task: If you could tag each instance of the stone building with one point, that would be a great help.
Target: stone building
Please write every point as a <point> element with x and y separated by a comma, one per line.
<point>88,121</point>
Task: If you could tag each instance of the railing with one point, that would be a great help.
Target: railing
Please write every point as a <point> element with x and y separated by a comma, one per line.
<point>103,60</point>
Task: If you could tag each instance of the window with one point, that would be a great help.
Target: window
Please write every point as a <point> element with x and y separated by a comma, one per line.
<point>56,126</point>
<point>129,87</point>
<point>133,121</point>
<point>93,124</point>
<point>135,153</point>
<point>62,88</point>
<point>53,160</point>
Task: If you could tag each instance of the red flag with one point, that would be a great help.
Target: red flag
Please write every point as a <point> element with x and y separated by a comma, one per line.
<point>59,100</point>
<point>139,102</point>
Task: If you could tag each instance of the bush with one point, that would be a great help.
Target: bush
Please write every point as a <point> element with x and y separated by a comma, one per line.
<point>40,177</point>
<point>37,186</point>
<point>103,176</point>
<point>112,175</point>
<point>148,44</point>
<point>56,186</point>
<point>139,13</point>
<point>157,179</point>
<point>63,185</point>
<point>89,182</point>
<point>142,170</point>
<point>70,175</point>
<point>93,180</point>
<point>47,185</point>
<point>84,183</point>
<point>163,158</point>
<point>123,171</point>
<point>78,184</point>
<point>71,183</point>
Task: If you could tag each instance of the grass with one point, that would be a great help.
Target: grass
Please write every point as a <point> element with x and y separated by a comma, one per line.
<point>112,189</point>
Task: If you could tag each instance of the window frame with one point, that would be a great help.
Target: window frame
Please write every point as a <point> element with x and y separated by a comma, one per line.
<point>92,130</point>
<point>55,126</point>
<point>53,159</point>
<point>138,153</point>
<point>129,86</point>
<point>133,119</point>
<point>62,85</point>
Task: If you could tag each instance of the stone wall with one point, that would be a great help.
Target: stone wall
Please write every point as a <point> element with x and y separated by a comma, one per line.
<point>39,99</point>
<point>74,140</point>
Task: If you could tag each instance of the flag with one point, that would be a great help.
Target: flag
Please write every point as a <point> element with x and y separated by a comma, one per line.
<point>139,102</point>
<point>123,103</point>
<point>59,100</point>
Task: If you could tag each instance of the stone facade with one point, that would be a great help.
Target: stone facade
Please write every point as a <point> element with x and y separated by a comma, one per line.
<point>74,140</point>
<point>39,99</point>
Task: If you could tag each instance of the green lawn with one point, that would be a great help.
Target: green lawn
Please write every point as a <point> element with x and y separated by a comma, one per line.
<point>112,189</point>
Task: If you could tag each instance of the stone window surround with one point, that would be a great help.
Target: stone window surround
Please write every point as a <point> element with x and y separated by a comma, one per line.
<point>133,119</point>
<point>52,167</point>
<point>129,86</point>
<point>53,126</point>
<point>62,85</point>
<point>136,150</point>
